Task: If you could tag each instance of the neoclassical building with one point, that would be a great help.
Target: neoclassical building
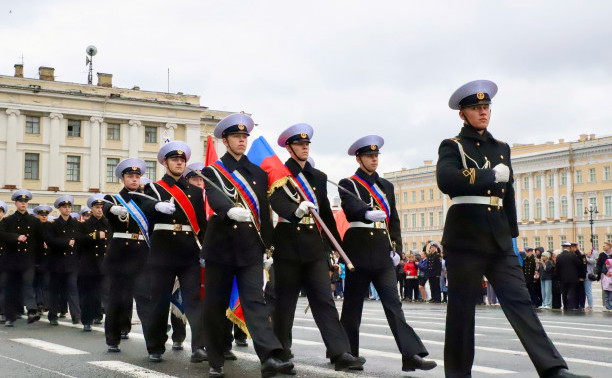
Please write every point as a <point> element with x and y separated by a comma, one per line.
<point>58,137</point>
<point>554,182</point>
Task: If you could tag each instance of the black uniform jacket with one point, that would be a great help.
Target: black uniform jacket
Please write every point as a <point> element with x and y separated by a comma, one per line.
<point>569,267</point>
<point>583,269</point>
<point>92,246</point>
<point>172,248</point>
<point>63,257</point>
<point>482,228</point>
<point>236,243</point>
<point>434,264</point>
<point>44,258</point>
<point>302,242</point>
<point>529,268</point>
<point>124,256</point>
<point>21,255</point>
<point>369,247</point>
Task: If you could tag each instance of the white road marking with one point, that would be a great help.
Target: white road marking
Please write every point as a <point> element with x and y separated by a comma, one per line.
<point>581,346</point>
<point>375,326</point>
<point>49,347</point>
<point>37,367</point>
<point>129,369</point>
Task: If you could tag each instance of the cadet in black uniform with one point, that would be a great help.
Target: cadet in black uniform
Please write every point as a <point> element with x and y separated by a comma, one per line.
<point>178,223</point>
<point>301,259</point>
<point>91,245</point>
<point>22,236</point>
<point>373,243</point>
<point>529,270</point>
<point>41,280</point>
<point>580,291</point>
<point>64,261</point>
<point>126,256</point>
<point>474,170</point>
<point>3,210</point>
<point>569,268</point>
<point>233,247</point>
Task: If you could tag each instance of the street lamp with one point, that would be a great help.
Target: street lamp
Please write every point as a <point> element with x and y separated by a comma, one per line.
<point>592,209</point>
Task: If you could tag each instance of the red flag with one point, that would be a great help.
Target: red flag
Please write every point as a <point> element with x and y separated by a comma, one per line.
<point>211,156</point>
<point>341,222</point>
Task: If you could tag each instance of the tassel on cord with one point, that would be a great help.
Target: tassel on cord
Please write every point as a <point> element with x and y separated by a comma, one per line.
<point>277,184</point>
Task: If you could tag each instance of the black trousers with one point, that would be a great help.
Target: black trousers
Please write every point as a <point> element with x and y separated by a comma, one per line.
<point>402,284</point>
<point>569,295</point>
<point>434,287</point>
<point>465,271</point>
<point>556,294</point>
<point>162,281</point>
<point>314,278</point>
<point>19,290</point>
<point>411,289</point>
<point>120,304</point>
<point>580,294</point>
<point>218,282</point>
<point>63,288</point>
<point>385,283</point>
<point>90,297</point>
<point>533,294</point>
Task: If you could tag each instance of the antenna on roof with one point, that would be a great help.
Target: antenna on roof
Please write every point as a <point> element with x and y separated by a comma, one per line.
<point>91,50</point>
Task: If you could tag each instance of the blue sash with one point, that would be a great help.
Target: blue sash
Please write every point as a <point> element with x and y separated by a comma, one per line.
<point>137,215</point>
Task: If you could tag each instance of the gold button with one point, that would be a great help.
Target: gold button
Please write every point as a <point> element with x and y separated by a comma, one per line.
<point>186,232</point>
<point>489,209</point>
<point>489,191</point>
<point>189,195</point>
<point>18,227</point>
<point>96,246</point>
<point>310,227</point>
<point>97,255</point>
<point>478,143</point>
<point>64,231</point>
<point>139,242</point>
<point>64,253</point>
<point>173,233</point>
<point>298,228</point>
<point>235,226</point>
<point>384,232</point>
<point>72,253</point>
<point>250,225</point>
<point>371,233</point>
<point>126,243</point>
<point>314,188</point>
<point>174,221</point>
<point>254,183</point>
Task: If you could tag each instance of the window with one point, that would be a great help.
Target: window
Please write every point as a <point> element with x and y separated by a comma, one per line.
<point>564,206</point>
<point>431,194</point>
<point>76,208</point>
<point>73,168</point>
<point>32,125</point>
<point>113,131</point>
<point>396,198</point>
<point>525,182</point>
<point>31,166</point>
<point>31,205</point>
<point>422,219</point>
<point>549,243</point>
<point>74,128</point>
<point>609,238</point>
<point>536,241</point>
<point>578,176</point>
<point>551,207</point>
<point>405,224</point>
<point>606,173</point>
<point>150,134</point>
<point>538,209</point>
<point>593,202</point>
<point>525,243</point>
<point>422,195</point>
<point>413,196</point>
<point>405,195</point>
<point>431,219</point>
<point>439,194</point>
<point>537,181</point>
<point>592,175</point>
<point>526,209</point>
<point>579,207</point>
<point>607,206</point>
<point>111,163</point>
<point>562,239</point>
<point>414,221</point>
<point>581,242</point>
<point>440,219</point>
<point>150,170</point>
<point>595,245</point>
<point>563,177</point>
<point>413,245</point>
<point>550,178</point>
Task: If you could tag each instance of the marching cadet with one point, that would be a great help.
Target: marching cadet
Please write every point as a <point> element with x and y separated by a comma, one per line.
<point>85,213</point>
<point>474,169</point>
<point>235,242</point>
<point>373,243</point>
<point>21,234</point>
<point>41,279</point>
<point>127,253</point>
<point>301,258</point>
<point>3,210</point>
<point>580,290</point>
<point>63,262</point>
<point>178,222</point>
<point>91,245</point>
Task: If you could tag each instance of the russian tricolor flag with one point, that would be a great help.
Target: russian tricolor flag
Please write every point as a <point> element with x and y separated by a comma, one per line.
<point>263,155</point>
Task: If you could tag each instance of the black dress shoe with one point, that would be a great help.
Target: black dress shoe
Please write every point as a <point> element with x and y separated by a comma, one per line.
<point>114,349</point>
<point>229,355</point>
<point>2,319</point>
<point>564,373</point>
<point>9,323</point>
<point>347,361</point>
<point>216,372</point>
<point>53,322</point>
<point>177,345</point>
<point>86,328</point>
<point>155,357</point>
<point>272,366</point>
<point>241,343</point>
<point>363,361</point>
<point>416,362</point>
<point>33,317</point>
<point>199,355</point>
<point>125,335</point>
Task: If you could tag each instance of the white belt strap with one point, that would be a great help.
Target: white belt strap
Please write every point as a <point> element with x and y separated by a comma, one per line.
<point>366,225</point>
<point>126,235</point>
<point>478,200</point>
<point>172,227</point>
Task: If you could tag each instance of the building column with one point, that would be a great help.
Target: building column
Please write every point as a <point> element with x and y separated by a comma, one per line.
<point>194,139</point>
<point>56,165</point>
<point>570,197</point>
<point>94,157</point>
<point>517,197</point>
<point>556,198</point>
<point>134,142</point>
<point>543,199</point>
<point>531,202</point>
<point>11,174</point>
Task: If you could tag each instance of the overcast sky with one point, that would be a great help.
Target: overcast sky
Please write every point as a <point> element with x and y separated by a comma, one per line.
<point>349,68</point>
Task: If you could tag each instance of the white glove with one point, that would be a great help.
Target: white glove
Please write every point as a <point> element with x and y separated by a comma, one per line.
<point>239,214</point>
<point>303,208</point>
<point>119,210</point>
<point>375,215</point>
<point>267,262</point>
<point>395,257</point>
<point>165,207</point>
<point>502,173</point>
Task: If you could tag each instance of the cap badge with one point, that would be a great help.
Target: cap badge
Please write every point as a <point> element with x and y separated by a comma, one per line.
<point>180,152</point>
<point>373,147</point>
<point>240,126</point>
<point>480,95</point>
<point>134,168</point>
<point>23,196</point>
<point>303,135</point>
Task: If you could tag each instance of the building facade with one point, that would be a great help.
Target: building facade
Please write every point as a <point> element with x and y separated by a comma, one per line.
<point>556,185</point>
<point>66,138</point>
